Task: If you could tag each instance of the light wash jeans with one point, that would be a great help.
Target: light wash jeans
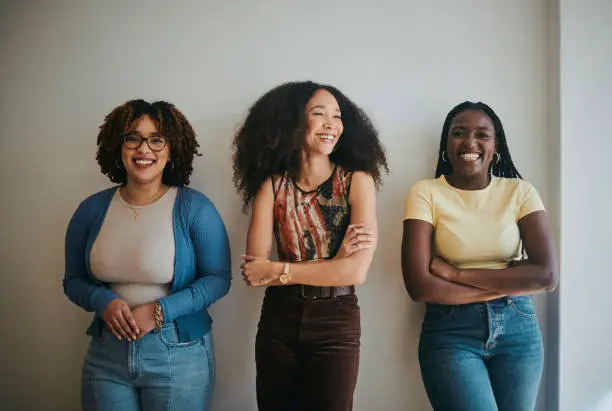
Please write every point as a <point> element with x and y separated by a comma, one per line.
<point>154,373</point>
<point>483,356</point>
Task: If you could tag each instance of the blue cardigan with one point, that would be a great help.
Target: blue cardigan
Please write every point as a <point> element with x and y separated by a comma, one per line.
<point>202,263</point>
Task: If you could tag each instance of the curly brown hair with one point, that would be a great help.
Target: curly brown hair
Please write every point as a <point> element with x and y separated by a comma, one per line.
<point>272,136</point>
<point>170,122</point>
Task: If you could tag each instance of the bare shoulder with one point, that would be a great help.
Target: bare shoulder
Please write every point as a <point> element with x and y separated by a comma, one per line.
<point>362,179</point>
<point>362,186</point>
<point>266,188</point>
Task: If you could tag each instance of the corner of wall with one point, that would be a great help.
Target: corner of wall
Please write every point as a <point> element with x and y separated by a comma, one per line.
<point>553,305</point>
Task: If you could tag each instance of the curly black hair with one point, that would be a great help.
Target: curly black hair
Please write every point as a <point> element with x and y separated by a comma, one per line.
<point>504,167</point>
<point>170,122</point>
<point>272,136</point>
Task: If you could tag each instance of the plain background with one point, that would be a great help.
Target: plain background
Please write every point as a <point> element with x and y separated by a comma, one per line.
<point>542,65</point>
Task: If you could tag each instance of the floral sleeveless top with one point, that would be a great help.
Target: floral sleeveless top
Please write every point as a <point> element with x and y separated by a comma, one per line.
<point>311,225</point>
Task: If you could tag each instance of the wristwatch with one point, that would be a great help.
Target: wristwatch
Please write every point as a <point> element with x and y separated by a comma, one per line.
<point>285,277</point>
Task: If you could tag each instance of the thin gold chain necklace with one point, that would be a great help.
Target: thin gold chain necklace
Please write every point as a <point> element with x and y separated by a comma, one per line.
<point>162,190</point>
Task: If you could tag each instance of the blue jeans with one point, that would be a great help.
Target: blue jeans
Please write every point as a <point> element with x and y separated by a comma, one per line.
<point>482,356</point>
<point>154,373</point>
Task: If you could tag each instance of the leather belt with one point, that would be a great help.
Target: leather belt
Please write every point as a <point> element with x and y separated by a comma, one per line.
<point>310,292</point>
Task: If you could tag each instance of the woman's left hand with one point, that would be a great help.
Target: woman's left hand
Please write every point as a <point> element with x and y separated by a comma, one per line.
<point>258,272</point>
<point>145,318</point>
<point>443,269</point>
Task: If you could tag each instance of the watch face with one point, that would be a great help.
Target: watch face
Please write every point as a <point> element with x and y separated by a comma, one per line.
<point>284,278</point>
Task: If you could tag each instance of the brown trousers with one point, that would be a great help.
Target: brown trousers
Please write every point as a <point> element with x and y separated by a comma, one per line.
<point>307,353</point>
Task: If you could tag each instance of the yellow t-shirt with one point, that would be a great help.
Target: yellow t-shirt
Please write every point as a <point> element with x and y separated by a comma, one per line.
<point>474,229</point>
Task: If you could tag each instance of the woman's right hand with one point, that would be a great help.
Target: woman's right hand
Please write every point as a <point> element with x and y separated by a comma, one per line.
<point>357,238</point>
<point>119,319</point>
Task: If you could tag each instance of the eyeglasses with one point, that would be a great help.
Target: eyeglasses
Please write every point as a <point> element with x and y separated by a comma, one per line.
<point>133,141</point>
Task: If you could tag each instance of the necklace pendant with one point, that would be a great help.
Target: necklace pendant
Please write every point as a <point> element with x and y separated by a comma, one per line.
<point>137,218</point>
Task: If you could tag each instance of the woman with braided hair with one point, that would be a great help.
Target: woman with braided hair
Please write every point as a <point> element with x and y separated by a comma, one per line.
<point>480,347</point>
<point>148,257</point>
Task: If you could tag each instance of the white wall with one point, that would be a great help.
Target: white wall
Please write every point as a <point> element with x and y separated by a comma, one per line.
<point>586,196</point>
<point>67,64</point>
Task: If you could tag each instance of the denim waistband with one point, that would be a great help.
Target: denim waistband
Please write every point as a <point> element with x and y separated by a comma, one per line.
<point>498,302</point>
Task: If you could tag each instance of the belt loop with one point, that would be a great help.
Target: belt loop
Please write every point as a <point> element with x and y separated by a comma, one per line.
<point>302,290</point>
<point>332,292</point>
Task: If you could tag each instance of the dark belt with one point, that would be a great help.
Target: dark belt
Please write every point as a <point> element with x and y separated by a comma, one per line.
<point>310,292</point>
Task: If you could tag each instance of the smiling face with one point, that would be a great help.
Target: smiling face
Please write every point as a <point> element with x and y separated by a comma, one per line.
<point>471,144</point>
<point>142,164</point>
<point>323,123</point>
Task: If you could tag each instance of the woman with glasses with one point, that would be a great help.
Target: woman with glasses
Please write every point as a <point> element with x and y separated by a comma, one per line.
<point>147,257</point>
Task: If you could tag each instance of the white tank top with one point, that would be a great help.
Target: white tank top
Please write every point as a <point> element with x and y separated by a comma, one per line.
<point>136,254</point>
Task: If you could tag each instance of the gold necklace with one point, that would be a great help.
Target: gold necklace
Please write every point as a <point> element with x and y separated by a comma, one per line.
<point>154,198</point>
<point>136,214</point>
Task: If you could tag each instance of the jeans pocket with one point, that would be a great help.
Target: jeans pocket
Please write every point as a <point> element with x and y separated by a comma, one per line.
<point>523,306</point>
<point>168,335</point>
<point>435,313</point>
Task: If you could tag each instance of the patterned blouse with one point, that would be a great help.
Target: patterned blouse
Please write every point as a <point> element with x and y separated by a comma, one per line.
<point>311,225</point>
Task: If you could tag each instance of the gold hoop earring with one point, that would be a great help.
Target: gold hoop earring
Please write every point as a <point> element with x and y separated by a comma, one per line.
<point>171,164</point>
<point>444,159</point>
<point>498,159</point>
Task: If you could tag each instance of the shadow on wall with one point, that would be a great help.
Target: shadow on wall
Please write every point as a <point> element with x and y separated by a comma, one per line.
<point>391,322</point>
<point>236,315</point>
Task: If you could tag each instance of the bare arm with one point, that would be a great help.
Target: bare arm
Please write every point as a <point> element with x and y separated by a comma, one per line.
<point>261,226</point>
<point>420,283</point>
<point>540,274</point>
<point>339,271</point>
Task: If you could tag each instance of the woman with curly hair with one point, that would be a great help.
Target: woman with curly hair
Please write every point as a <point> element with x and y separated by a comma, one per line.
<point>308,160</point>
<point>148,257</point>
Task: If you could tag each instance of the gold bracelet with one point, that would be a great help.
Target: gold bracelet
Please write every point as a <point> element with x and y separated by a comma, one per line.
<point>158,314</point>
